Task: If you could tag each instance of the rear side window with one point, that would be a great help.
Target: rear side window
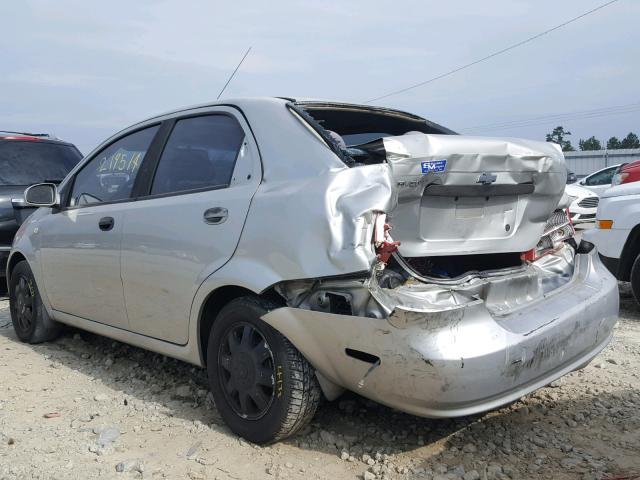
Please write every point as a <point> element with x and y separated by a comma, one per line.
<point>200,153</point>
<point>29,162</point>
<point>110,175</point>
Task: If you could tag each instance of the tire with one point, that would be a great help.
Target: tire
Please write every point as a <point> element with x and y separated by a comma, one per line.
<point>262,386</point>
<point>30,319</point>
<point>635,279</point>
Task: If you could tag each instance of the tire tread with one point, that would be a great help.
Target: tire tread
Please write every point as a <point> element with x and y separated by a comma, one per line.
<point>304,391</point>
<point>635,279</point>
<point>45,328</point>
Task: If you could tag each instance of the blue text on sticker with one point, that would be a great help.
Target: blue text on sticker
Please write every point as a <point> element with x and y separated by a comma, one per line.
<point>434,166</point>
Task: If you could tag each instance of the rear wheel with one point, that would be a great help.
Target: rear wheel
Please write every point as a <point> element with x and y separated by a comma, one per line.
<point>635,279</point>
<point>28,315</point>
<point>263,387</point>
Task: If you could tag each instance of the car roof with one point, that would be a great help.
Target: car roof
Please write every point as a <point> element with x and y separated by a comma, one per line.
<point>302,101</point>
<point>631,165</point>
<point>605,168</point>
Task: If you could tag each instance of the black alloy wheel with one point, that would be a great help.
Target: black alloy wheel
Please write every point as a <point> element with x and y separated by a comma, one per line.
<point>31,321</point>
<point>262,386</point>
<point>246,369</point>
<point>24,304</point>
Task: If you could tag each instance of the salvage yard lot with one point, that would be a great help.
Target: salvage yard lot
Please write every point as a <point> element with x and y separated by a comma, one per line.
<point>121,412</point>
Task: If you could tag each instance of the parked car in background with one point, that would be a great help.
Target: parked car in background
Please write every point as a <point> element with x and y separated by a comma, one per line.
<point>201,235</point>
<point>584,204</point>
<point>628,173</point>
<point>599,181</point>
<point>571,178</point>
<point>617,233</point>
<point>25,159</point>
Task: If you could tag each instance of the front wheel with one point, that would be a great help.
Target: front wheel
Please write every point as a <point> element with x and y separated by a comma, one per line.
<point>30,319</point>
<point>635,279</point>
<point>262,386</point>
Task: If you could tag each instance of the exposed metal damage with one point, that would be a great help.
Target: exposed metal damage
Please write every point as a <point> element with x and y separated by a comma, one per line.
<point>474,291</point>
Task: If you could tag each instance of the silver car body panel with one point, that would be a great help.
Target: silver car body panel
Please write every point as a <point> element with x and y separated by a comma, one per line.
<point>460,361</point>
<point>463,192</point>
<point>168,250</point>
<point>81,263</point>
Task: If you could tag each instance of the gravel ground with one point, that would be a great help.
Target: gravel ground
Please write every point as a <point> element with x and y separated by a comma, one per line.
<point>87,407</point>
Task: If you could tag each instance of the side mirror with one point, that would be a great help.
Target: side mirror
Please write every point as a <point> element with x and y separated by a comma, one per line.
<point>582,182</point>
<point>41,195</point>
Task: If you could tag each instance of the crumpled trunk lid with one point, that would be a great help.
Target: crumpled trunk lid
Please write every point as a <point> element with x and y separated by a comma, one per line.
<point>470,195</point>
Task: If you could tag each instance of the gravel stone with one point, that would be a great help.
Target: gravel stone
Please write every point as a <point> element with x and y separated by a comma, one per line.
<point>471,475</point>
<point>159,411</point>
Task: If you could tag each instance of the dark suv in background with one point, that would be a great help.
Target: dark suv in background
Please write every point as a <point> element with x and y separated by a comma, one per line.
<point>25,159</point>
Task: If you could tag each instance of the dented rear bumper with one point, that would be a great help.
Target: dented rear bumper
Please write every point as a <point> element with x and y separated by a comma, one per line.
<point>461,361</point>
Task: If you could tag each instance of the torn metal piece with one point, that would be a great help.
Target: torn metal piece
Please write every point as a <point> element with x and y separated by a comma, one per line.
<point>369,372</point>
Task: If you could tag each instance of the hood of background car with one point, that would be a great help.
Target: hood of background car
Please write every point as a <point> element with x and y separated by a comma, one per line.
<point>624,189</point>
<point>575,190</point>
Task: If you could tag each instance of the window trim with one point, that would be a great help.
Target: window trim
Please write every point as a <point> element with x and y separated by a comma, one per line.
<point>68,194</point>
<point>145,191</point>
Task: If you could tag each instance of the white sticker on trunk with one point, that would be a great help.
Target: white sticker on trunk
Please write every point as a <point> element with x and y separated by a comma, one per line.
<point>434,166</point>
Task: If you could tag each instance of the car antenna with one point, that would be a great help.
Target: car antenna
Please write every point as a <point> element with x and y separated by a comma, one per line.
<point>234,72</point>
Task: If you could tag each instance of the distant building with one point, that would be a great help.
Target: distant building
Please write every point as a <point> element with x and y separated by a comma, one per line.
<point>584,163</point>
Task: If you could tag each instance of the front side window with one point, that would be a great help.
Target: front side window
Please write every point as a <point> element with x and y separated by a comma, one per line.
<point>200,153</point>
<point>110,175</point>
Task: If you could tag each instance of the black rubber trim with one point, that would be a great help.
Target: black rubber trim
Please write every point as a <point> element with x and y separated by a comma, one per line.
<point>144,177</point>
<point>478,190</point>
<point>585,247</point>
<point>362,356</point>
<point>612,264</point>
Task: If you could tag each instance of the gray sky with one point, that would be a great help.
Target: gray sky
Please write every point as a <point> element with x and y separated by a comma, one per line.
<point>84,70</point>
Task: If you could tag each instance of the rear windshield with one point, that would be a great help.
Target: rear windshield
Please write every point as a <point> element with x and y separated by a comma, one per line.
<point>28,162</point>
<point>354,132</point>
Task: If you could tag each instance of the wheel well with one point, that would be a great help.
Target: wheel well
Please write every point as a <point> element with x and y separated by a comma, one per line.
<point>13,261</point>
<point>212,306</point>
<point>629,253</point>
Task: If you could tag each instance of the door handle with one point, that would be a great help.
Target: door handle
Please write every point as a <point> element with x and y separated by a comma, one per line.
<point>216,215</point>
<point>106,223</point>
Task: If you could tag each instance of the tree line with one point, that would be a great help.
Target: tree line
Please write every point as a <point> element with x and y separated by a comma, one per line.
<point>559,135</point>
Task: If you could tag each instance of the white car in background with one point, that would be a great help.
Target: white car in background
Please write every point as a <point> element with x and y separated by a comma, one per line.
<point>617,233</point>
<point>599,181</point>
<point>584,205</point>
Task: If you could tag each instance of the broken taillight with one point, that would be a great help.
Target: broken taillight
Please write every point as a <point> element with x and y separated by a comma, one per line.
<point>558,229</point>
<point>382,241</point>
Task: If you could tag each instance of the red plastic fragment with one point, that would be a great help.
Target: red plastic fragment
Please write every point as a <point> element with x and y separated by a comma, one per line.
<point>387,246</point>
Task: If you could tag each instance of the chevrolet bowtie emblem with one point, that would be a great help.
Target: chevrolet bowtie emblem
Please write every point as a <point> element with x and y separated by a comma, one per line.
<point>487,178</point>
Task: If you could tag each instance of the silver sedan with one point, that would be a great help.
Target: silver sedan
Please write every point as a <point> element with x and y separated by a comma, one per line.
<point>300,248</point>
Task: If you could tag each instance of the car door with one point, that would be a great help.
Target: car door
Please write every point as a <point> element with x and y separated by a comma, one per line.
<point>190,223</point>
<point>80,243</point>
<point>599,181</point>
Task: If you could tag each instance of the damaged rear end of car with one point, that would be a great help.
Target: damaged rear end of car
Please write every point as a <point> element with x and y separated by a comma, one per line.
<point>433,272</point>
